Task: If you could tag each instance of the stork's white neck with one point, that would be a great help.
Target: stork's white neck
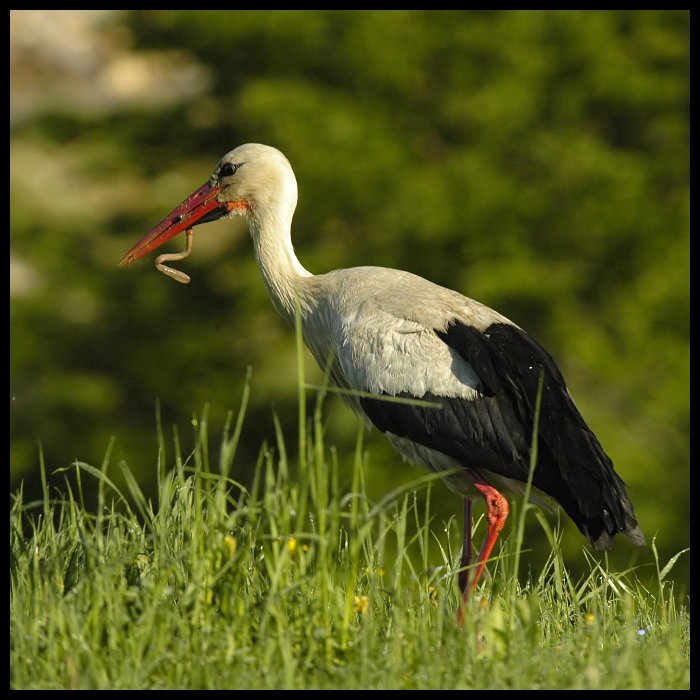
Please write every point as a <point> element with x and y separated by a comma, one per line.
<point>282,272</point>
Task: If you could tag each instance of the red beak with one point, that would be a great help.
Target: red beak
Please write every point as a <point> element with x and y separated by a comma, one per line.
<point>200,207</point>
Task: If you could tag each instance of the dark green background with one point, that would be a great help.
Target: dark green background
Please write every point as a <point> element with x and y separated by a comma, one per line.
<point>537,161</point>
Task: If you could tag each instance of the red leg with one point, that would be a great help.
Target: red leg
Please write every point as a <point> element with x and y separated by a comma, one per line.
<point>496,513</point>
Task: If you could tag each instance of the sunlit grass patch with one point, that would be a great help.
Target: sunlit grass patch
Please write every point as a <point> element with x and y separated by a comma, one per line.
<point>293,582</point>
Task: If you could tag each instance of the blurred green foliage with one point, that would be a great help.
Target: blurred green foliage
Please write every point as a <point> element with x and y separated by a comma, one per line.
<point>537,161</point>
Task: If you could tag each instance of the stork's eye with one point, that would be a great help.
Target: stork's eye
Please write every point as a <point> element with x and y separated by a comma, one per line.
<point>228,169</point>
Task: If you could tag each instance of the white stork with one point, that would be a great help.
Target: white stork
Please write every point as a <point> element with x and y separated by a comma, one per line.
<point>391,333</point>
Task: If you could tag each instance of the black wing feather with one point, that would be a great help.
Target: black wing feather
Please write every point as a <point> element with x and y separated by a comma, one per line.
<point>494,431</point>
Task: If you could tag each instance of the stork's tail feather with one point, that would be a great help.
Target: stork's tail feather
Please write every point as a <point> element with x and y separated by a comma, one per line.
<point>601,534</point>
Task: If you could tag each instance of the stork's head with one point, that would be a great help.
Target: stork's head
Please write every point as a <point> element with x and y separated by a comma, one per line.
<point>252,180</point>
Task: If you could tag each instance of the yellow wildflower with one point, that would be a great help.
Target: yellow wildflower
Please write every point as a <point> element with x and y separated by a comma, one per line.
<point>361,604</point>
<point>231,544</point>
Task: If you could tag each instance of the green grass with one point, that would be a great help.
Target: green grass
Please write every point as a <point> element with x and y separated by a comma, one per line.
<point>294,583</point>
